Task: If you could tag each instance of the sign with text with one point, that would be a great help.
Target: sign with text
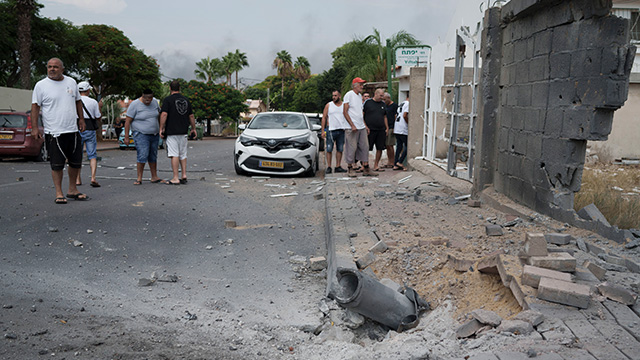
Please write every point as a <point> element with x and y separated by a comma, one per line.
<point>413,56</point>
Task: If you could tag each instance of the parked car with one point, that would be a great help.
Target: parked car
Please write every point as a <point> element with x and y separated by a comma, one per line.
<point>108,132</point>
<point>316,119</point>
<point>16,139</point>
<point>131,144</point>
<point>277,143</point>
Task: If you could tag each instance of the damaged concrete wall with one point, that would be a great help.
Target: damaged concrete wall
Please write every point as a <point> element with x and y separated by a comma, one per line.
<point>553,74</point>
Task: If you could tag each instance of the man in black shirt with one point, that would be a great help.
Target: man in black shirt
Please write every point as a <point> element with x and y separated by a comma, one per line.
<point>375,118</point>
<point>175,117</point>
<point>392,109</point>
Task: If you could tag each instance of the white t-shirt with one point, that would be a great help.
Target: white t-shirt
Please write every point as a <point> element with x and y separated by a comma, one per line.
<point>93,107</point>
<point>401,126</point>
<point>57,101</point>
<point>337,121</point>
<point>355,108</point>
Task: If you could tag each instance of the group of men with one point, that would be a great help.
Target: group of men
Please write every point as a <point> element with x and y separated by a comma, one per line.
<point>357,123</point>
<point>70,120</point>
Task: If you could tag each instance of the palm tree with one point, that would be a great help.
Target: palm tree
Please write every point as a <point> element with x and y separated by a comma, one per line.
<point>209,69</point>
<point>282,63</point>
<point>302,69</point>
<point>240,62</point>
<point>229,64</point>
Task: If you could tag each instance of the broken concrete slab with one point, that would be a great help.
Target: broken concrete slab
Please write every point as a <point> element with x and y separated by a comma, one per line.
<point>584,276</point>
<point>318,263</point>
<point>633,266</point>
<point>558,238</point>
<point>564,292</point>
<point>508,267</point>
<point>624,316</point>
<point>555,330</point>
<point>366,260</point>
<point>488,264</point>
<point>535,245</point>
<point>616,260</point>
<point>517,327</point>
<point>475,203</point>
<point>461,265</point>
<point>582,245</point>
<point>533,317</point>
<point>617,293</point>
<point>591,212</point>
<point>593,341</point>
<point>531,275</point>
<point>487,317</point>
<point>611,267</point>
<point>595,249</point>
<point>468,329</point>
<point>379,247</point>
<point>555,261</point>
<point>493,230</point>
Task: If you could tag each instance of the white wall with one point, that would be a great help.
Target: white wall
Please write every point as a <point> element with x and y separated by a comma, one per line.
<point>16,99</point>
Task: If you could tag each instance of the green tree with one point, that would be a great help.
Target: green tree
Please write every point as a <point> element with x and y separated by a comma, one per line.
<point>214,101</point>
<point>302,69</point>
<point>306,97</point>
<point>209,69</point>
<point>282,64</point>
<point>113,65</point>
<point>25,10</point>
<point>229,65</point>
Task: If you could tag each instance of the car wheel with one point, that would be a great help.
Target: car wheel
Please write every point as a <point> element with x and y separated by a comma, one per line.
<point>43,155</point>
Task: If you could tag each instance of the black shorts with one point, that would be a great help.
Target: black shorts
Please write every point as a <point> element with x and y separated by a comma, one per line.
<point>64,148</point>
<point>377,138</point>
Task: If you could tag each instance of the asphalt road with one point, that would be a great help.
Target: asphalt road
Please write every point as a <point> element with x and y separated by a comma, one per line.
<point>250,297</point>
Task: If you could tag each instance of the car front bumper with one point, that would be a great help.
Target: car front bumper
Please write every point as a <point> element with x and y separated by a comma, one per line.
<point>294,161</point>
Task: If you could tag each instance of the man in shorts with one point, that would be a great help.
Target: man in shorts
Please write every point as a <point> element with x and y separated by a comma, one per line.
<point>175,117</point>
<point>57,100</point>
<point>357,144</point>
<point>142,119</point>
<point>375,118</point>
<point>92,114</point>
<point>333,117</point>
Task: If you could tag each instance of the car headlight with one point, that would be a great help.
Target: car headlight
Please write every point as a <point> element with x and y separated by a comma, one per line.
<point>247,140</point>
<point>301,142</point>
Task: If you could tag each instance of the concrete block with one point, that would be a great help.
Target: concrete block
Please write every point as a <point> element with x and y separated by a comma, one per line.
<point>461,265</point>
<point>535,244</point>
<point>517,327</point>
<point>379,247</point>
<point>591,212</point>
<point>531,275</point>
<point>533,317</point>
<point>595,249</point>
<point>468,329</point>
<point>564,292</point>
<point>366,260</point>
<point>493,230</point>
<point>558,239</point>
<point>584,276</point>
<point>556,249</point>
<point>487,317</point>
<point>582,245</point>
<point>632,265</point>
<point>318,263</point>
<point>508,267</point>
<point>618,293</point>
<point>615,260</point>
<point>488,264</point>
<point>555,261</point>
<point>560,65</point>
<point>611,267</point>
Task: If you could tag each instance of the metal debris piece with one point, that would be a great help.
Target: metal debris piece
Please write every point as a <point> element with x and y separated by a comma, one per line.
<point>190,316</point>
<point>284,195</point>
<point>404,179</point>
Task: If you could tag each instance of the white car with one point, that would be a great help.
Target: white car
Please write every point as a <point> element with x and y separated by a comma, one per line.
<point>277,143</point>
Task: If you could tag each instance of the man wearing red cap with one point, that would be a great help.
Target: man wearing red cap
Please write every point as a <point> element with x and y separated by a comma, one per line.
<point>356,138</point>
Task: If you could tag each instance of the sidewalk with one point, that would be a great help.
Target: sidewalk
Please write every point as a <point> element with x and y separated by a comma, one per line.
<point>437,245</point>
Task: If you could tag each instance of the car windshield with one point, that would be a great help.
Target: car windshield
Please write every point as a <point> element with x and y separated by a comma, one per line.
<point>13,121</point>
<point>279,121</point>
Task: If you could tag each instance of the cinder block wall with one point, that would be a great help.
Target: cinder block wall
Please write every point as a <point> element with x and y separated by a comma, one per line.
<point>553,73</point>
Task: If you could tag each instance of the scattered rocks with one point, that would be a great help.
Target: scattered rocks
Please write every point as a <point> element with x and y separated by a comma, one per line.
<point>77,243</point>
<point>617,293</point>
<point>517,327</point>
<point>487,317</point>
<point>469,329</point>
<point>493,230</point>
<point>89,231</point>
<point>532,317</point>
<point>318,263</point>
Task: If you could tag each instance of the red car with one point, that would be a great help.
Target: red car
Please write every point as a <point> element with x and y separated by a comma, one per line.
<point>16,139</point>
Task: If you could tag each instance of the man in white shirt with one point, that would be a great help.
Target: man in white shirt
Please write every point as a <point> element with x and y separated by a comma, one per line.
<point>91,114</point>
<point>356,137</point>
<point>57,100</point>
<point>401,130</point>
<point>333,118</point>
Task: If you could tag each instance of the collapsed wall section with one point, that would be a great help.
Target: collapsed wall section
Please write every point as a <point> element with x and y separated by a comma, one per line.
<point>554,72</point>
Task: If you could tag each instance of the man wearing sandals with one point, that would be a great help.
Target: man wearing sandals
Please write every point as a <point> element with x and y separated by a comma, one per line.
<point>401,130</point>
<point>175,117</point>
<point>142,119</point>
<point>375,119</point>
<point>356,141</point>
<point>56,99</point>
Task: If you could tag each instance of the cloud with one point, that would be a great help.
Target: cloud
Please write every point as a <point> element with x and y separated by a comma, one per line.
<point>96,6</point>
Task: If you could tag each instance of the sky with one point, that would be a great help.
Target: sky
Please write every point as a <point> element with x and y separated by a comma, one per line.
<point>180,33</point>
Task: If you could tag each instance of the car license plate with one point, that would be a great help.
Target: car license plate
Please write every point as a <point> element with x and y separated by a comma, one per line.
<point>3,136</point>
<point>272,164</point>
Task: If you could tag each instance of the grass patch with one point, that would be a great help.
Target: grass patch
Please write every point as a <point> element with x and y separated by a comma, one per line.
<point>615,190</point>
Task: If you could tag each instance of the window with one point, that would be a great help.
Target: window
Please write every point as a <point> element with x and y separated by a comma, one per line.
<point>635,25</point>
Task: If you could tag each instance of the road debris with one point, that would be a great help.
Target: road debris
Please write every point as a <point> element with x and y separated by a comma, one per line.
<point>284,195</point>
